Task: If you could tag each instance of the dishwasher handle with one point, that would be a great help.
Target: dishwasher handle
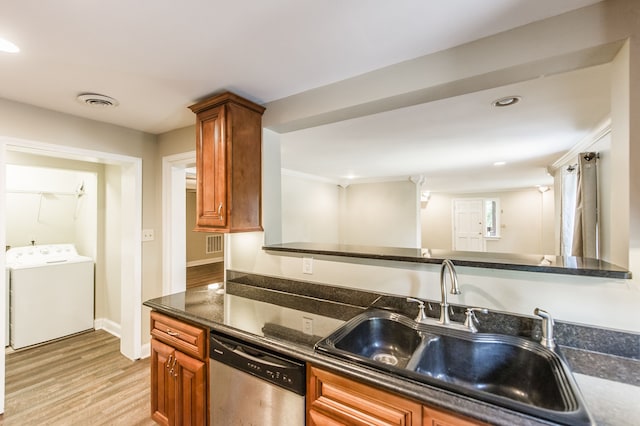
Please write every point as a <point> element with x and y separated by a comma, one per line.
<point>274,367</point>
<point>223,348</point>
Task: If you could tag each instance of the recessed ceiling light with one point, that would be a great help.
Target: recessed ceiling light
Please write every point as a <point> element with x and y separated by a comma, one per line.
<point>8,47</point>
<point>499,163</point>
<point>506,101</point>
<point>97,101</point>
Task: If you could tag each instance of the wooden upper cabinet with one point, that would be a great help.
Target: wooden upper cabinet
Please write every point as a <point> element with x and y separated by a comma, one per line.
<point>228,164</point>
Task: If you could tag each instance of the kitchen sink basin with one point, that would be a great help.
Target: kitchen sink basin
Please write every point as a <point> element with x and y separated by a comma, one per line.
<point>508,371</point>
<point>382,340</point>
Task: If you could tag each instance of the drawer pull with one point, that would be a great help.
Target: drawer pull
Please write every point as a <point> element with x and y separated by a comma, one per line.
<point>172,333</point>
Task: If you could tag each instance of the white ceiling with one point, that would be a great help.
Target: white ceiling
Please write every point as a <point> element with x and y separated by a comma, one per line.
<point>453,143</point>
<point>157,57</point>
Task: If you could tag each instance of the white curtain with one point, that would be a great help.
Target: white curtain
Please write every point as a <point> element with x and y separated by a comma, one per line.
<point>579,222</point>
<point>585,235</point>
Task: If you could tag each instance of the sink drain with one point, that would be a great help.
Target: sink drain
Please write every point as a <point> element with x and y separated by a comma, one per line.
<point>386,359</point>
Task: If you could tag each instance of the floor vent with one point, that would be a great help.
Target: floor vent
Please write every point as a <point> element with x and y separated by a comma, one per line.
<point>214,243</point>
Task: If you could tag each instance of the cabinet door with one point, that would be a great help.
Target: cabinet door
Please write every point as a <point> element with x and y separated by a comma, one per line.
<point>334,399</point>
<point>433,417</point>
<point>191,391</point>
<point>211,168</point>
<point>162,383</point>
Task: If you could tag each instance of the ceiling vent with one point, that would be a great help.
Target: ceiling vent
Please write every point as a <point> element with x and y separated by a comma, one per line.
<point>97,101</point>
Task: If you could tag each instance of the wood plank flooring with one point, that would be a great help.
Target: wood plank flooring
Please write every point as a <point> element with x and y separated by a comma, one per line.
<point>205,274</point>
<point>81,380</point>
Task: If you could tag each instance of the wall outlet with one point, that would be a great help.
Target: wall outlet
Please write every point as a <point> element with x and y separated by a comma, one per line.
<point>147,235</point>
<point>307,326</point>
<point>307,265</point>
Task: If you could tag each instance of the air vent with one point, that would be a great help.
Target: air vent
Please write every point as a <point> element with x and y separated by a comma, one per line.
<point>97,101</point>
<point>214,243</point>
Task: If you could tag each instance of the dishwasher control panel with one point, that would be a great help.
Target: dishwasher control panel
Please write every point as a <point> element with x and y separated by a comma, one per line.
<point>266,364</point>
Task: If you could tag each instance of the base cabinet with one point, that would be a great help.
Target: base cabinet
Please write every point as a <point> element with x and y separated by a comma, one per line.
<point>334,400</point>
<point>179,394</point>
<point>433,417</point>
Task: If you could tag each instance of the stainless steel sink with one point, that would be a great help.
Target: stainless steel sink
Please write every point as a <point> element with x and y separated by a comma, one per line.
<point>508,371</point>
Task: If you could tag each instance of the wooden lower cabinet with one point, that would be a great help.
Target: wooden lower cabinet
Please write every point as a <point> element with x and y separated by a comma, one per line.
<point>334,400</point>
<point>433,417</point>
<point>179,391</point>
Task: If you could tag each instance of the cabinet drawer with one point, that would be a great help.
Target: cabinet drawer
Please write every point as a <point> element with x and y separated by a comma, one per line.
<point>184,337</point>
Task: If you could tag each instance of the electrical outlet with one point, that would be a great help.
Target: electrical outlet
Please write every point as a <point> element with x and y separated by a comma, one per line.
<point>307,265</point>
<point>307,325</point>
<point>147,235</point>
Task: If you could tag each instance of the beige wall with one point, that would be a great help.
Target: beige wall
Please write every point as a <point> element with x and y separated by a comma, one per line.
<point>359,214</point>
<point>526,219</point>
<point>310,210</point>
<point>381,214</point>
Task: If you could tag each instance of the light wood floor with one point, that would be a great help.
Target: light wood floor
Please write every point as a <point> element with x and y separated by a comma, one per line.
<point>205,274</point>
<point>82,380</point>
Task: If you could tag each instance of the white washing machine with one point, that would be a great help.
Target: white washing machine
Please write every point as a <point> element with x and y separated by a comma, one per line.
<point>51,293</point>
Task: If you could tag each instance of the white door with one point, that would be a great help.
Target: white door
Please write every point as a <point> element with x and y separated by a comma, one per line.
<point>468,225</point>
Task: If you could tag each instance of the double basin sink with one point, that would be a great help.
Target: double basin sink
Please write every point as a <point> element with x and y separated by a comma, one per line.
<point>508,371</point>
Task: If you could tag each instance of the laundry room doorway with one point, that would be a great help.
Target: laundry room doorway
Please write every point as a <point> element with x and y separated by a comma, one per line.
<point>124,227</point>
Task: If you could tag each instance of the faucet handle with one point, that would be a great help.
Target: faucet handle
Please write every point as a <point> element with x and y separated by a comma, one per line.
<point>471,320</point>
<point>422,316</point>
<point>547,339</point>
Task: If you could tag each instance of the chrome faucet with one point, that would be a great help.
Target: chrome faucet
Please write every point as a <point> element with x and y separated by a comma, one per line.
<point>444,306</point>
<point>547,339</point>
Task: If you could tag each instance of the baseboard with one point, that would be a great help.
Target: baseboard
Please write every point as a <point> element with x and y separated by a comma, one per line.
<point>107,325</point>
<point>113,328</point>
<point>204,261</point>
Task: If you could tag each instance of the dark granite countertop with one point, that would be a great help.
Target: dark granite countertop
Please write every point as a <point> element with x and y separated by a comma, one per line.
<point>567,265</point>
<point>268,311</point>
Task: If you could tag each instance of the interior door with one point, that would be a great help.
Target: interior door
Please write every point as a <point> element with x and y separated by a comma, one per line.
<point>468,225</point>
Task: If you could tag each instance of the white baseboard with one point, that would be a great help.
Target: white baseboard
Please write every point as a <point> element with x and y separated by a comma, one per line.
<point>108,326</point>
<point>113,328</point>
<point>205,261</point>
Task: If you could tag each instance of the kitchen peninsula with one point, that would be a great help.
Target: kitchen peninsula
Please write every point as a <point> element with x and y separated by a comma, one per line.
<point>268,312</point>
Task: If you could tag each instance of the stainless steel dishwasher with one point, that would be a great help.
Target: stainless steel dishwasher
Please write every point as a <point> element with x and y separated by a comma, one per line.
<point>253,386</point>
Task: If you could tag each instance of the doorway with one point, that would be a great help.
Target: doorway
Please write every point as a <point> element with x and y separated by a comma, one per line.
<point>180,267</point>
<point>129,177</point>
